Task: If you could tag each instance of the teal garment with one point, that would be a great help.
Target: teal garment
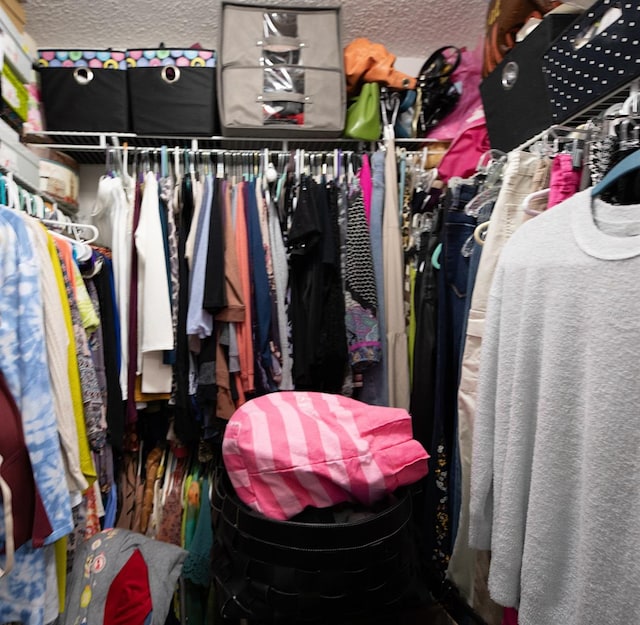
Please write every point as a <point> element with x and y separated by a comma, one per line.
<point>196,566</point>
<point>191,514</point>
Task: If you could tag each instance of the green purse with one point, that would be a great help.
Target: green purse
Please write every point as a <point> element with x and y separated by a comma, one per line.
<point>363,115</point>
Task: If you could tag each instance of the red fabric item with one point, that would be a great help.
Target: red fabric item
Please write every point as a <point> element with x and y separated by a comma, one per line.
<point>289,450</point>
<point>129,597</point>
<point>510,616</point>
<point>464,153</point>
<point>30,521</point>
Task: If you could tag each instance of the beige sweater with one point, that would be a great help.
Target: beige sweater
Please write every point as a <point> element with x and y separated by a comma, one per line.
<point>57,342</point>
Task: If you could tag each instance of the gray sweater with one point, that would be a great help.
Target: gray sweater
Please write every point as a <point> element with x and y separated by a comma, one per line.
<point>555,487</point>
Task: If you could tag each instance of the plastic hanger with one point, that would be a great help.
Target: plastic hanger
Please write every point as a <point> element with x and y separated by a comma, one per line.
<point>534,196</point>
<point>13,192</point>
<point>474,206</point>
<point>3,191</point>
<point>75,228</point>
<point>480,232</point>
<point>625,166</point>
<point>435,257</point>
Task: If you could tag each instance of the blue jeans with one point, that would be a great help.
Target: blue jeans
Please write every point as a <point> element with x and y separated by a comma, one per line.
<point>452,305</point>
<point>375,390</point>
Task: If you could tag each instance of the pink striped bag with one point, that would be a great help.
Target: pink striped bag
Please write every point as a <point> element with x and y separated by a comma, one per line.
<point>286,451</point>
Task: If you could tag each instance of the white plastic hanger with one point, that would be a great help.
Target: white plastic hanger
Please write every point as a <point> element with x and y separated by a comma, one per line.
<point>75,228</point>
<point>534,196</point>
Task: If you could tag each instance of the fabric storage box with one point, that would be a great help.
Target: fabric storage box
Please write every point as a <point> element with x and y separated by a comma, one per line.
<point>281,71</point>
<point>84,90</point>
<point>596,56</point>
<point>173,91</point>
<point>514,95</point>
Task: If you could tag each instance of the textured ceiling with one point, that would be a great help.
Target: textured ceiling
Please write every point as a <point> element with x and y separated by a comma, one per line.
<point>408,28</point>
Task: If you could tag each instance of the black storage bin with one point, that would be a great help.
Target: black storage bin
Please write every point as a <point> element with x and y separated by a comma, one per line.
<point>311,572</point>
<point>514,95</point>
<point>594,58</point>
<point>173,92</point>
<point>84,90</point>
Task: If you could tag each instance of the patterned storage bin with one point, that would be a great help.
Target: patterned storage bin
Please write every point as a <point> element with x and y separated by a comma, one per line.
<point>84,90</point>
<point>173,91</point>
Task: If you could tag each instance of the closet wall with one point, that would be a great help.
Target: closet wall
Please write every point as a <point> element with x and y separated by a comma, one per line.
<point>407,28</point>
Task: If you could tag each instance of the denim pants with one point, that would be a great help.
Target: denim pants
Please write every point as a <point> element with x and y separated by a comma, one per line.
<point>375,389</point>
<point>452,283</point>
<point>442,482</point>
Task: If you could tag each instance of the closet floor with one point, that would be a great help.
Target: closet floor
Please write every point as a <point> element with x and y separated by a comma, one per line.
<point>428,615</point>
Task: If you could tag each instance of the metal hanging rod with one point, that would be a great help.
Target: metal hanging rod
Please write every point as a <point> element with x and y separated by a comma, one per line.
<point>625,96</point>
<point>100,141</point>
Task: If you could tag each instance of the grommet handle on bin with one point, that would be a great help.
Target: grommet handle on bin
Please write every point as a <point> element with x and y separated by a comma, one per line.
<point>510,75</point>
<point>170,74</point>
<point>83,75</point>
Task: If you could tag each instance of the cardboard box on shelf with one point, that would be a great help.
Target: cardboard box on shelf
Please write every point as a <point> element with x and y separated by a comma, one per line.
<point>16,157</point>
<point>16,13</point>
<point>16,46</point>
<point>58,175</point>
<point>14,93</point>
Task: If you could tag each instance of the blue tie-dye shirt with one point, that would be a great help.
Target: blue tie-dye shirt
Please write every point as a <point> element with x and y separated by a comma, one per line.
<point>23,362</point>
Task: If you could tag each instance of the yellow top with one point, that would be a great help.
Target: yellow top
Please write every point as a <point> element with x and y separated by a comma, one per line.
<point>86,461</point>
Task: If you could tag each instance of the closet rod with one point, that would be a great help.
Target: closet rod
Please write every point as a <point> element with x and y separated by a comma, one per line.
<point>256,151</point>
<point>99,141</point>
<point>618,96</point>
<point>550,133</point>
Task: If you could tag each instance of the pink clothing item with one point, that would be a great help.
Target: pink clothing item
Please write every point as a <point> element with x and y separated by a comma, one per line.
<point>464,153</point>
<point>510,616</point>
<point>565,179</point>
<point>467,76</point>
<point>286,451</point>
<point>366,184</point>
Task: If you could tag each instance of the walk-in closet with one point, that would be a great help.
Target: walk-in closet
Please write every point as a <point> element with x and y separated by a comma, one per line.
<point>318,313</point>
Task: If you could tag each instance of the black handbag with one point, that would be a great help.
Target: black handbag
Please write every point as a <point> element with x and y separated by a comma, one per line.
<point>437,93</point>
<point>594,57</point>
<point>308,571</point>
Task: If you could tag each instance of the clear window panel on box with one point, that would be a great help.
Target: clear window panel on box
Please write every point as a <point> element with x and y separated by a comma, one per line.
<point>282,112</point>
<point>287,79</point>
<point>280,24</point>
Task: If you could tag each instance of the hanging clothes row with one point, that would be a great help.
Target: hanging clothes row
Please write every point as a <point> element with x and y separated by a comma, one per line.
<point>55,295</point>
<point>230,284</point>
<point>258,253</point>
<point>519,186</point>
